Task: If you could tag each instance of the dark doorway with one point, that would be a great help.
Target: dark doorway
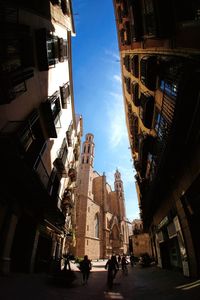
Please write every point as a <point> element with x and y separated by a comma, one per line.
<point>43,256</point>
<point>165,257</point>
<point>23,244</point>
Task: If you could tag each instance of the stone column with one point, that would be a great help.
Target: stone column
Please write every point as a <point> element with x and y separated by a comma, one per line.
<point>5,258</point>
<point>32,264</point>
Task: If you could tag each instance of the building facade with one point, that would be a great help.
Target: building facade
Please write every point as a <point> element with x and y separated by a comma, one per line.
<point>102,227</point>
<point>140,239</point>
<point>160,61</point>
<point>40,134</point>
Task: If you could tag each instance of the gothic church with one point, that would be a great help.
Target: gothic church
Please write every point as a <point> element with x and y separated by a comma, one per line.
<point>101,224</point>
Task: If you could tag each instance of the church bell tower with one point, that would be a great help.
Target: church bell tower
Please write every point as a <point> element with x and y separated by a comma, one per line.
<point>119,189</point>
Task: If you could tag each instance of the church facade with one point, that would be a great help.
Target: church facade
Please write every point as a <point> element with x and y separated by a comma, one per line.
<point>101,224</point>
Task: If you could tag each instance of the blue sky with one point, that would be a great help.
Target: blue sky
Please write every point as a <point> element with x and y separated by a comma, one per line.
<point>98,93</point>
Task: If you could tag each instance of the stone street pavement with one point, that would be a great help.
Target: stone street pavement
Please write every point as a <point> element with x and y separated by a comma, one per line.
<point>140,284</point>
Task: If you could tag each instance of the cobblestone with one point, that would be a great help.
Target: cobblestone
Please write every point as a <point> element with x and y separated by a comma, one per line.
<point>140,284</point>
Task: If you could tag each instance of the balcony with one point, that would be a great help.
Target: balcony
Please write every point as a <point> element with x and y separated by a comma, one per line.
<point>51,110</point>
<point>64,94</point>
<point>60,161</point>
<point>25,137</point>
<point>135,94</point>
<point>72,174</point>
<point>67,202</point>
<point>22,146</point>
<point>148,71</point>
<point>133,127</point>
<point>135,66</point>
<point>69,135</point>
<point>148,150</point>
<point>60,167</point>
<point>47,49</point>
<point>146,109</point>
<point>62,49</point>
<point>13,84</point>
<point>76,152</point>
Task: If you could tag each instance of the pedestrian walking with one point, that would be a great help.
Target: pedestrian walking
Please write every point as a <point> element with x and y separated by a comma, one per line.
<point>119,259</point>
<point>112,266</point>
<point>85,268</point>
<point>124,265</point>
<point>67,261</point>
<point>132,259</point>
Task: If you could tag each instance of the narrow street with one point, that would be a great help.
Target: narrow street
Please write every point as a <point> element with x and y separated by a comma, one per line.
<point>140,284</point>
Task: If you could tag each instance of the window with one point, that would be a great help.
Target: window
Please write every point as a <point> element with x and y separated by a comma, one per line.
<point>148,71</point>
<point>51,110</point>
<point>87,227</point>
<point>64,94</point>
<point>65,7</point>
<point>135,65</point>
<point>16,59</point>
<point>62,49</point>
<point>47,49</point>
<point>54,184</point>
<point>52,49</point>
<point>170,88</point>
<point>55,106</point>
<point>146,109</point>
<point>96,226</point>
<point>135,93</point>
<point>119,13</point>
<point>161,125</point>
<point>127,62</point>
<point>88,148</point>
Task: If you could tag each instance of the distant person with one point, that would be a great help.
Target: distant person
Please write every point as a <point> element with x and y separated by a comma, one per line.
<point>119,259</point>
<point>67,261</point>
<point>124,265</point>
<point>85,267</point>
<point>132,259</point>
<point>112,266</point>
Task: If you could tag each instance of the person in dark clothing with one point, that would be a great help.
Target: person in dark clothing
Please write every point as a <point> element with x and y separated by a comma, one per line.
<point>119,259</point>
<point>85,267</point>
<point>66,261</point>
<point>124,265</point>
<point>132,259</point>
<point>112,266</point>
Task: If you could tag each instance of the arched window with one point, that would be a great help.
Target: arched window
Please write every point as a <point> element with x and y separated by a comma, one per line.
<point>88,148</point>
<point>84,149</point>
<point>96,226</point>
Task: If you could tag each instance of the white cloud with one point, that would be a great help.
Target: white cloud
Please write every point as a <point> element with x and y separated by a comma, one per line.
<point>117,78</point>
<point>112,54</point>
<point>117,131</point>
